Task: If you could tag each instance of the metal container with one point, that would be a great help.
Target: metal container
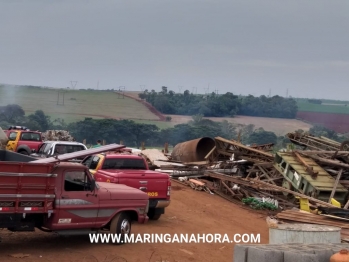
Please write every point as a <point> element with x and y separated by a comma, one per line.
<point>304,233</point>
<point>193,150</point>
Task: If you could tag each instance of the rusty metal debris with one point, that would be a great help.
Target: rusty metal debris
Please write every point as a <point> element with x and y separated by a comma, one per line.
<point>315,169</point>
<point>193,150</point>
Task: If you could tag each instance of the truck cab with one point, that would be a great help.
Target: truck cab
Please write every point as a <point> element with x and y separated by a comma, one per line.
<point>22,140</point>
<point>54,148</point>
<point>132,170</point>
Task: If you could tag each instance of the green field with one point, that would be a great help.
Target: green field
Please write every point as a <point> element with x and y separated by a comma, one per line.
<point>327,106</point>
<point>77,105</point>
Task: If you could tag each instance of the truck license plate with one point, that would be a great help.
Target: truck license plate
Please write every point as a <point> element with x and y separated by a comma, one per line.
<point>153,194</point>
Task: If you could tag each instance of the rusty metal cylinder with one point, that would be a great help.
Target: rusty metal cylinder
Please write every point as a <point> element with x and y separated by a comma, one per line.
<point>193,150</point>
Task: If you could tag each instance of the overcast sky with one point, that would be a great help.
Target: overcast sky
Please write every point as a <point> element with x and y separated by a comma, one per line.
<point>245,47</point>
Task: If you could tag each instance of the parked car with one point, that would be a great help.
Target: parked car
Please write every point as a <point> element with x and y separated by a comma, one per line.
<point>53,148</point>
<point>22,140</point>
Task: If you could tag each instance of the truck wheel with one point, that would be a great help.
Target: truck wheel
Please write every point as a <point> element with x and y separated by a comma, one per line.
<point>23,152</point>
<point>152,216</point>
<point>121,225</point>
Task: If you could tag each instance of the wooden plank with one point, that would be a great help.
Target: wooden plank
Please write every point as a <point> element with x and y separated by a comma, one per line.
<point>335,185</point>
<point>209,153</point>
<point>327,161</point>
<point>312,220</point>
<point>346,205</point>
<point>265,173</point>
<point>225,185</point>
<point>244,147</point>
<point>199,183</point>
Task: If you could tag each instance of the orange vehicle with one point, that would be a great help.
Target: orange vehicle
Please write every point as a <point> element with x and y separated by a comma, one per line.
<point>22,140</point>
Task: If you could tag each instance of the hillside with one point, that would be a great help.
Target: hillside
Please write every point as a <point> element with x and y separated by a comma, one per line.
<point>77,104</point>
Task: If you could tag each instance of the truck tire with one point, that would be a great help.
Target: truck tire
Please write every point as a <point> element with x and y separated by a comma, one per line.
<point>23,152</point>
<point>121,225</point>
<point>152,215</point>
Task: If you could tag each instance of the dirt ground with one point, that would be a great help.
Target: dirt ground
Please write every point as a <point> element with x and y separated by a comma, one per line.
<point>190,212</point>
<point>277,125</point>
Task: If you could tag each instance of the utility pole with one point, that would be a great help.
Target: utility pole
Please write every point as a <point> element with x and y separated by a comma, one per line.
<point>121,92</point>
<point>269,93</point>
<point>60,103</point>
<point>73,84</point>
<point>287,93</point>
<point>180,89</point>
<point>142,87</point>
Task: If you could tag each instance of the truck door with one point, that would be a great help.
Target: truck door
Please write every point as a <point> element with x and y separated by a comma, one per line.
<point>78,206</point>
<point>13,141</point>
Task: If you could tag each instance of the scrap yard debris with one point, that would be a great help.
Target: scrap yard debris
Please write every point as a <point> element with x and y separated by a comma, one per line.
<point>57,135</point>
<point>311,175</point>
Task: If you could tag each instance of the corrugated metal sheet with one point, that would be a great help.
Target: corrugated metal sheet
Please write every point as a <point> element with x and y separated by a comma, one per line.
<point>83,153</point>
<point>323,182</point>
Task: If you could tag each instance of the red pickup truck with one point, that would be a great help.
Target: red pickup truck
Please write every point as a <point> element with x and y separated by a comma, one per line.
<point>132,170</point>
<point>63,197</point>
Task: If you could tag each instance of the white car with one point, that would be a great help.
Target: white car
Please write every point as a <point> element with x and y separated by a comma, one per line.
<point>53,148</point>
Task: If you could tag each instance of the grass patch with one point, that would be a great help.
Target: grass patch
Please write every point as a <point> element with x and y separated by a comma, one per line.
<point>159,124</point>
<point>334,108</point>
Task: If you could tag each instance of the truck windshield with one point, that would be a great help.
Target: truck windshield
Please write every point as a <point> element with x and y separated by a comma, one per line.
<point>123,163</point>
<point>44,148</point>
<point>63,149</point>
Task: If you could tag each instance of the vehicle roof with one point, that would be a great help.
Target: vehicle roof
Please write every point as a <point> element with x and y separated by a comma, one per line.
<point>64,142</point>
<point>21,131</point>
<point>116,155</point>
<point>70,164</point>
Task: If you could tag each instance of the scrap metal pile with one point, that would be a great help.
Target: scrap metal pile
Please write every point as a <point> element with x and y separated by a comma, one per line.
<point>57,135</point>
<point>313,168</point>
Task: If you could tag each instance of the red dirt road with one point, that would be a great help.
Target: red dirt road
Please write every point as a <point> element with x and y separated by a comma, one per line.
<point>191,212</point>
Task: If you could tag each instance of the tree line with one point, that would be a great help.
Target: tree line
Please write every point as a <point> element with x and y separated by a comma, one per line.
<point>214,105</point>
<point>133,134</point>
